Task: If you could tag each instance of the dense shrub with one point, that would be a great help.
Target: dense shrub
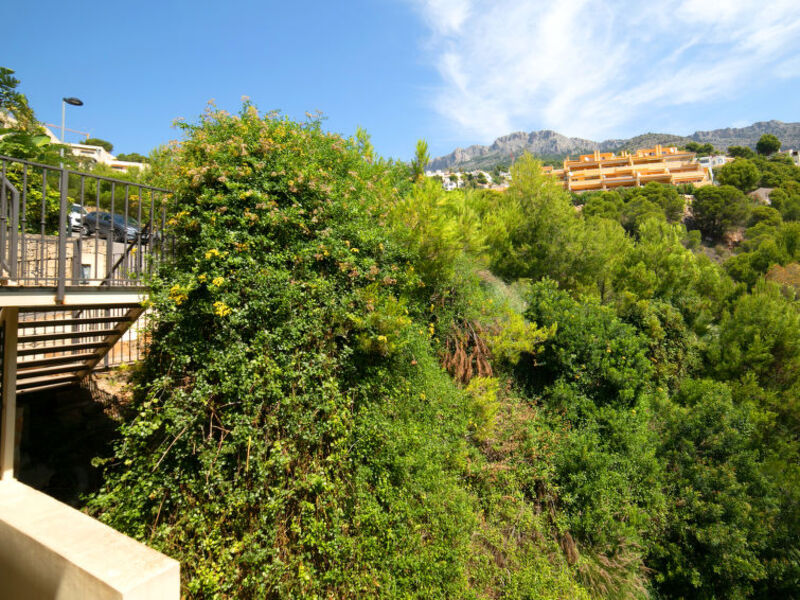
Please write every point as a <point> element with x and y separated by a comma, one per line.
<point>594,373</point>
<point>294,434</point>
<point>723,506</point>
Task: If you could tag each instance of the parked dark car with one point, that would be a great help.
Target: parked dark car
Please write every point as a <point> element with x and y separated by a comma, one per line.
<point>121,230</point>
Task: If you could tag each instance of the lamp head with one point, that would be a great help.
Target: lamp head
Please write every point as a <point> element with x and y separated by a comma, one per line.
<point>73,101</point>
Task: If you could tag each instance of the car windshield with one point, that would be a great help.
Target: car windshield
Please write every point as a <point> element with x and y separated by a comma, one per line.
<point>120,220</point>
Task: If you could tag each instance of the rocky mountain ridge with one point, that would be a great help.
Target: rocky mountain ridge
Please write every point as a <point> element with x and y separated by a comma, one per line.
<point>551,144</point>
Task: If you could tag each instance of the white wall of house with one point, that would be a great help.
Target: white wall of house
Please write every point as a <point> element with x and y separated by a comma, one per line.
<point>101,156</point>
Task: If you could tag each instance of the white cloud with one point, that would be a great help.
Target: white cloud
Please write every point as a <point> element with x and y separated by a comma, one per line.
<point>587,68</point>
<point>444,17</point>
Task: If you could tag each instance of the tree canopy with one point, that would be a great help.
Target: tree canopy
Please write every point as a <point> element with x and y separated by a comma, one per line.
<point>716,210</point>
<point>421,159</point>
<point>132,157</point>
<point>99,142</point>
<point>741,152</point>
<point>768,144</point>
<point>741,173</point>
<point>701,149</point>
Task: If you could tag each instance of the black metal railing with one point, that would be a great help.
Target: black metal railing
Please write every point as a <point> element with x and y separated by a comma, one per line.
<point>60,227</point>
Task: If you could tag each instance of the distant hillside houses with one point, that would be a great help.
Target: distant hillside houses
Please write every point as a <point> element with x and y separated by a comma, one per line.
<point>89,153</point>
<point>714,160</point>
<point>97,155</point>
<point>475,179</point>
<point>609,170</point>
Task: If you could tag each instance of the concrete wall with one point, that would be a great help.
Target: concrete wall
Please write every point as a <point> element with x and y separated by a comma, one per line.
<point>49,551</point>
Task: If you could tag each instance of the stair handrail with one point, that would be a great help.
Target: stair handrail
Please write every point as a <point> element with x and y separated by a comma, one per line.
<point>110,275</point>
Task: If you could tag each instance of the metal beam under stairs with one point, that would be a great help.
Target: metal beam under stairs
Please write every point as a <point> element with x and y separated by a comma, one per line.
<point>59,346</point>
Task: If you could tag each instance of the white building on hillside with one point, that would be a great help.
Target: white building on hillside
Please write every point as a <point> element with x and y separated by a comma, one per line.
<point>715,160</point>
<point>793,154</point>
<point>97,154</point>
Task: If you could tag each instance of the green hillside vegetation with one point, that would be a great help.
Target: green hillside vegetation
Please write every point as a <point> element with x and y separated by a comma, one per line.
<point>362,386</point>
<point>772,233</point>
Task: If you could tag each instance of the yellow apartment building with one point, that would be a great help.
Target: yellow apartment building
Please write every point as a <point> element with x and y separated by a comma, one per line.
<point>607,170</point>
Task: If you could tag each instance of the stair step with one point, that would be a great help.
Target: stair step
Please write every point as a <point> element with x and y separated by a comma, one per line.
<point>49,371</point>
<point>76,307</point>
<point>45,337</point>
<point>42,388</point>
<point>60,348</point>
<point>59,360</point>
<point>67,322</point>
<point>39,381</point>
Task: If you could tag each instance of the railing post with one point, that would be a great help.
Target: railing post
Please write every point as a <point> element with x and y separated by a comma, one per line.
<point>8,426</point>
<point>77,259</point>
<point>13,239</point>
<point>4,220</point>
<point>9,225</point>
<point>62,237</point>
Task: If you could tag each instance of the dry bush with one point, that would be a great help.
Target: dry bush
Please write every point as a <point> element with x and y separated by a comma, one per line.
<point>466,354</point>
<point>618,576</point>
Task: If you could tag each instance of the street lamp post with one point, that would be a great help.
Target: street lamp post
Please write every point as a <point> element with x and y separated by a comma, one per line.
<point>64,102</point>
<point>72,101</point>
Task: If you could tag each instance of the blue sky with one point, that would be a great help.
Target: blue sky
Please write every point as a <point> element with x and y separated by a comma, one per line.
<point>455,72</point>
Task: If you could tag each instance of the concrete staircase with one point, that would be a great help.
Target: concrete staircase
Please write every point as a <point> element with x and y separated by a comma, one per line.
<point>59,346</point>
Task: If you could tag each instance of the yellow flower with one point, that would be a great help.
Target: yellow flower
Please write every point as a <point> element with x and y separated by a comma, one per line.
<point>212,252</point>
<point>202,277</point>
<point>221,309</point>
<point>218,281</point>
<point>178,295</point>
<point>180,215</point>
<point>381,338</point>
